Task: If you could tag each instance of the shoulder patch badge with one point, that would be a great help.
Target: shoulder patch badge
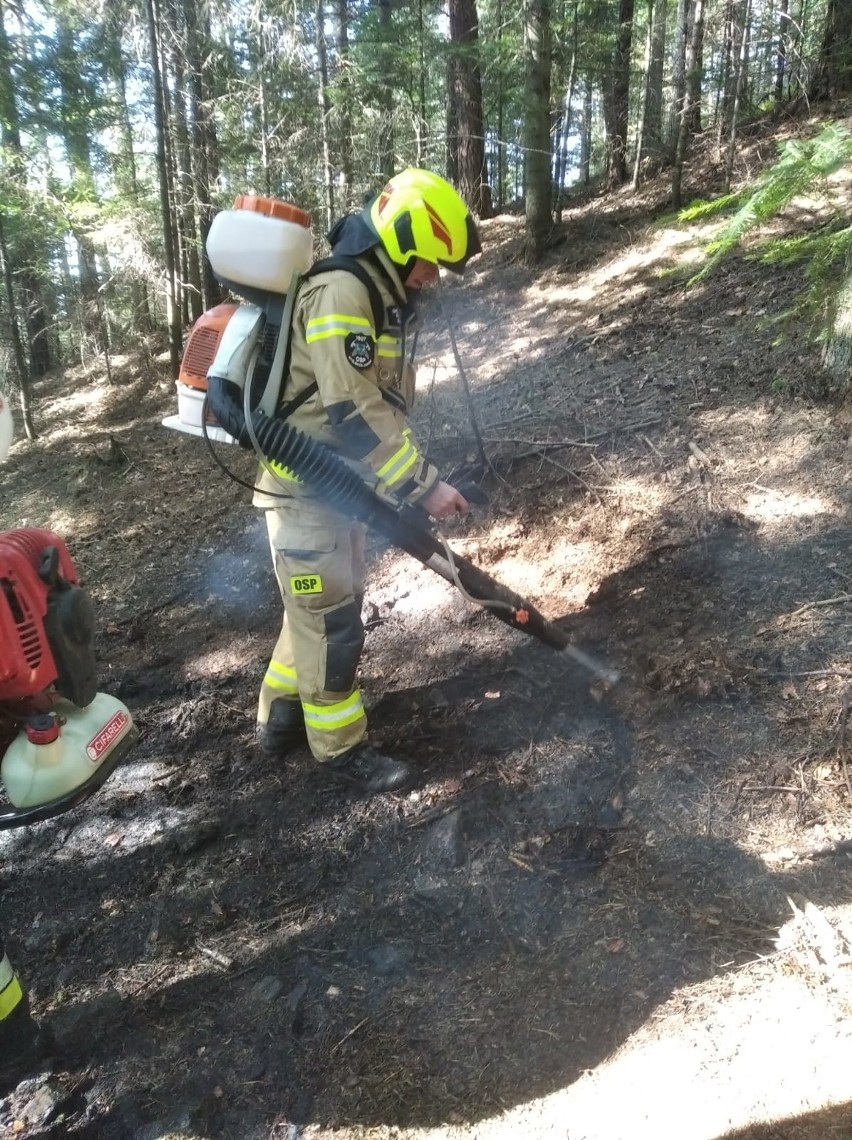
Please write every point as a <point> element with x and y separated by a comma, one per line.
<point>360,350</point>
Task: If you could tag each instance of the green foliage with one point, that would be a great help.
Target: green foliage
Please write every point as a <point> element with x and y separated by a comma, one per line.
<point>698,211</point>
<point>803,166</point>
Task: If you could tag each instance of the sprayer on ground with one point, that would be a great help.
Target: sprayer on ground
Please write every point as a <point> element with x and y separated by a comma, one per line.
<point>59,737</point>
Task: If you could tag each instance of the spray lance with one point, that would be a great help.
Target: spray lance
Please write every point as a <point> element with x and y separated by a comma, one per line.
<point>328,476</point>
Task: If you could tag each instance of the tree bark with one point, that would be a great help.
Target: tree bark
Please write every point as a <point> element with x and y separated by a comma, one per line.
<point>687,117</point>
<point>464,84</point>
<point>560,166</point>
<point>781,50</point>
<point>205,166</point>
<point>648,140</point>
<point>387,143</point>
<point>343,103</point>
<point>837,357</point>
<point>833,75</point>
<point>75,106</point>
<point>169,245</point>
<point>536,15</point>
<point>678,84</point>
<point>739,87</point>
<point>21,262</point>
<point>325,112</point>
<point>586,136</point>
<point>15,336</point>
<point>618,103</point>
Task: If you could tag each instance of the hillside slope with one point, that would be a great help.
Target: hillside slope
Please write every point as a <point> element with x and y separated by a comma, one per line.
<point>604,912</point>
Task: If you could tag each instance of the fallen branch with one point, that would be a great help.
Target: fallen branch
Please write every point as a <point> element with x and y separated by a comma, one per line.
<point>822,602</point>
<point>346,1036</point>
<point>216,956</point>
<point>699,454</point>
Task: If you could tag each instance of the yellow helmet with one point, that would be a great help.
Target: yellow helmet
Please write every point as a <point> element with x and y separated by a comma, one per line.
<point>419,214</point>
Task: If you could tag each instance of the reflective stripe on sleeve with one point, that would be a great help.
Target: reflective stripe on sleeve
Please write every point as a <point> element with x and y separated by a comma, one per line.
<point>281,677</point>
<point>337,324</point>
<point>327,718</point>
<point>399,464</point>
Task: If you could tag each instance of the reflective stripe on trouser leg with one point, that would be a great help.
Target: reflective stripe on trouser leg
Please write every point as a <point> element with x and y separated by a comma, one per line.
<point>280,677</point>
<point>325,633</point>
<point>11,993</point>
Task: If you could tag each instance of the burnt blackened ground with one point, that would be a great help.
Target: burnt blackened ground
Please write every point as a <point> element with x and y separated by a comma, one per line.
<point>226,946</point>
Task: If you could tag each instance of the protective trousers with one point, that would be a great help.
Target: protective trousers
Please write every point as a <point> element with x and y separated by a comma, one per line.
<point>318,556</point>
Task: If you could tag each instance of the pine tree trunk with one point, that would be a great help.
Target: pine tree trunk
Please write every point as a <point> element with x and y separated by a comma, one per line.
<point>618,110</point>
<point>692,92</point>
<point>560,166</point>
<point>15,336</point>
<point>586,136</point>
<point>648,140</point>
<point>422,120</point>
<point>739,87</point>
<point>344,104</point>
<point>500,176</point>
<point>833,75</point>
<point>125,172</point>
<point>837,357</point>
<point>536,16</point>
<point>325,112</point>
<point>192,300</point>
<point>169,244</point>
<point>74,102</point>
<point>387,146</point>
<point>794,55</point>
<point>205,166</point>
<point>466,143</point>
<point>678,84</point>
<point>781,50</point>
<point>695,70</point>
<point>21,263</point>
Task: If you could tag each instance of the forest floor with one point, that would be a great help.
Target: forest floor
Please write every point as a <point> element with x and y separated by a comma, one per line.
<point>604,913</point>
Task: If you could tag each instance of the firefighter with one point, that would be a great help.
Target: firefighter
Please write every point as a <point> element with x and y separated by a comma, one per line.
<point>351,386</point>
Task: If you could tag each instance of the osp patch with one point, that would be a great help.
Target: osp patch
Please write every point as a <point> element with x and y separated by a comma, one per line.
<point>306,584</point>
<point>360,350</point>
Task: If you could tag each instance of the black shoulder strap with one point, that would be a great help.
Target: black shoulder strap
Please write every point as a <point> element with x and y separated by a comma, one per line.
<point>350,265</point>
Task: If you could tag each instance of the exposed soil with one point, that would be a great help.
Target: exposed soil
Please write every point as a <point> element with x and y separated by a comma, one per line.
<point>605,911</point>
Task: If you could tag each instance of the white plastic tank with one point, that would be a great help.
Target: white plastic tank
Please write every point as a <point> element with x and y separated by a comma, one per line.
<point>261,242</point>
<point>55,754</point>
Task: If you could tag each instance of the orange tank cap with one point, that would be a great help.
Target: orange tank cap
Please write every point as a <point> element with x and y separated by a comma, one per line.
<point>273,208</point>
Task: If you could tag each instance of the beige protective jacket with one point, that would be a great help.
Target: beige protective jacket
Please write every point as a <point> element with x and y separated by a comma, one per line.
<point>365,387</point>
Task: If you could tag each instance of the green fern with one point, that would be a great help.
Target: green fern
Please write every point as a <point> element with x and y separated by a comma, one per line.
<point>698,211</point>
<point>803,165</point>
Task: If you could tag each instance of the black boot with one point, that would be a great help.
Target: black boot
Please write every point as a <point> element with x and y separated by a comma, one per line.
<point>369,770</point>
<point>285,729</point>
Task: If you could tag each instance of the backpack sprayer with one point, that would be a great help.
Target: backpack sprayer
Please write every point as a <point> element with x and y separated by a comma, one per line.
<point>234,368</point>
<point>59,737</point>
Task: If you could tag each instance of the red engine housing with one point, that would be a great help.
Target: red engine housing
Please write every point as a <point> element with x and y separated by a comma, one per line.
<point>46,623</point>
